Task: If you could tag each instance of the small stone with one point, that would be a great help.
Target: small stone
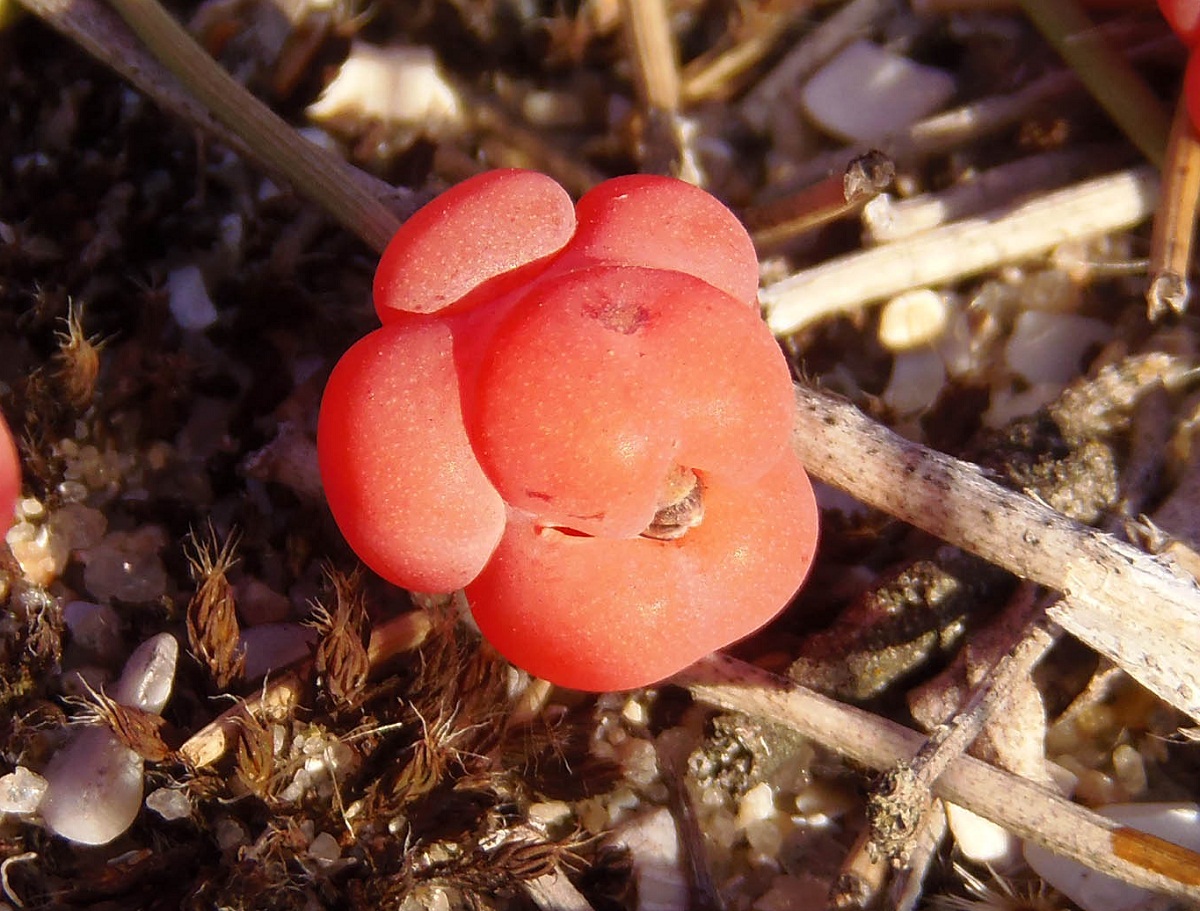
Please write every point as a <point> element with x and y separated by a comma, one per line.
<point>40,553</point>
<point>126,566</point>
<point>913,319</point>
<point>21,791</point>
<point>258,603</point>
<point>982,840</point>
<point>169,803</point>
<point>1049,347</point>
<point>94,782</point>
<point>94,788</point>
<point>549,813</point>
<point>917,379</point>
<point>867,92</point>
<point>402,86</point>
<point>94,627</point>
<point>188,299</point>
<point>80,526</point>
<point>274,645</point>
<point>229,834</point>
<point>149,674</point>
<point>324,849</point>
<point>756,805</point>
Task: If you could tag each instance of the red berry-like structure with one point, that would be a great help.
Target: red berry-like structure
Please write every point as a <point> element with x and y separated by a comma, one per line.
<point>576,414</point>
<point>1184,18</point>
<point>10,475</point>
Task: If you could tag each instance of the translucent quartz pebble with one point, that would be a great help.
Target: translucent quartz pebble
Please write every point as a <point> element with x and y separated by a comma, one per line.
<point>1176,822</point>
<point>21,791</point>
<point>169,803</point>
<point>94,783</point>
<point>126,565</point>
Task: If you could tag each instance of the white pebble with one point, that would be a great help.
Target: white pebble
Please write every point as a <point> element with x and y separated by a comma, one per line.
<point>149,674</point>
<point>756,805</point>
<point>393,85</point>
<point>1047,347</point>
<point>981,840</point>
<point>1176,822</point>
<point>653,844</point>
<point>917,379</point>
<point>867,92</point>
<point>188,299</point>
<point>913,319</point>
<point>40,553</point>
<point>169,803</point>
<point>94,783</point>
<point>94,788</point>
<point>21,791</point>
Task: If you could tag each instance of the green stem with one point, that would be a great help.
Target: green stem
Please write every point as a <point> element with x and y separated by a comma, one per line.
<point>322,176</point>
<point>1106,74</point>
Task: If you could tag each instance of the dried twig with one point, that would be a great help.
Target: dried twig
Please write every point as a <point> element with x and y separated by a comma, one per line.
<point>716,76</point>
<point>834,197</point>
<point>1175,223</point>
<point>1136,609</point>
<point>1092,208</point>
<point>887,220</point>
<point>1026,809</point>
<point>653,52</point>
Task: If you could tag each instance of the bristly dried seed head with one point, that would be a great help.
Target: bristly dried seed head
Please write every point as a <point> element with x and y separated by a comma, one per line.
<point>256,756</point>
<point>140,731</point>
<point>212,623</point>
<point>341,658</point>
<point>78,360</point>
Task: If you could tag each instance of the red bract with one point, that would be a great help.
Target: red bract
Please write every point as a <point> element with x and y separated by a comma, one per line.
<point>10,475</point>
<point>586,426</point>
<point>1184,17</point>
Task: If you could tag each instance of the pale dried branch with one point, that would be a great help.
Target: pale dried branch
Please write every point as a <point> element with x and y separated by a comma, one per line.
<point>1136,609</point>
<point>1114,202</point>
<point>648,28</point>
<point>1026,809</point>
<point>1175,223</point>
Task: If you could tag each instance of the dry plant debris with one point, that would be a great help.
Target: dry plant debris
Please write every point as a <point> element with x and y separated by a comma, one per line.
<point>973,308</point>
